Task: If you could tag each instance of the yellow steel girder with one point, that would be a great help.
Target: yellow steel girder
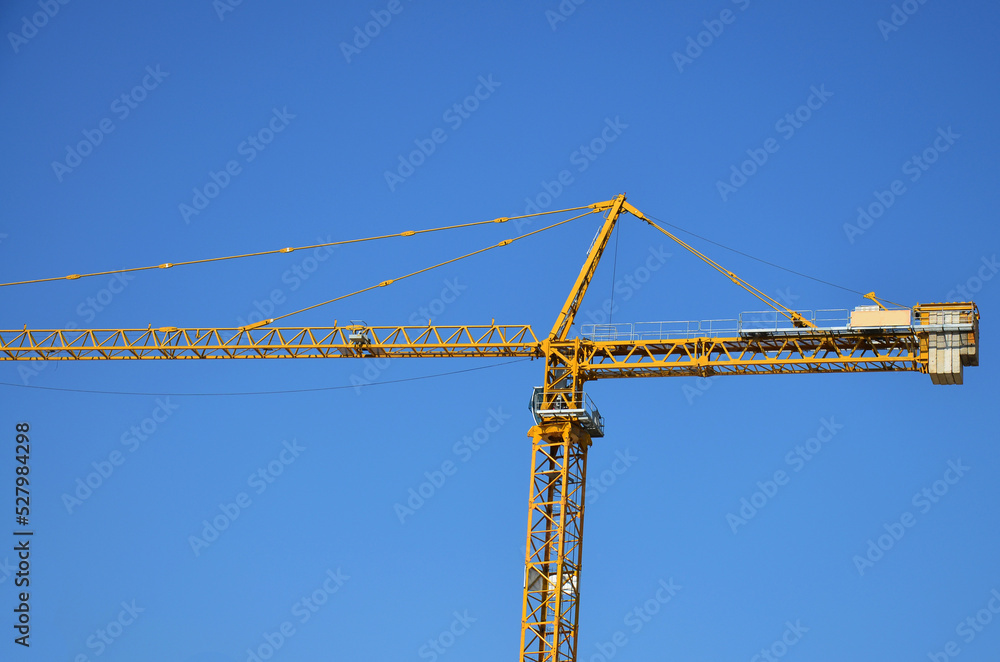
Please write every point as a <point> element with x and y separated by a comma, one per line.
<point>569,363</point>
<point>270,343</point>
<point>554,550</point>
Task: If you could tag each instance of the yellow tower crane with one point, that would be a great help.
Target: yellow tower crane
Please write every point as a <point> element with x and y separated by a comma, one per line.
<point>937,338</point>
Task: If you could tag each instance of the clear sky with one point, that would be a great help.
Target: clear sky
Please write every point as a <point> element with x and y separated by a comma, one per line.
<point>854,141</point>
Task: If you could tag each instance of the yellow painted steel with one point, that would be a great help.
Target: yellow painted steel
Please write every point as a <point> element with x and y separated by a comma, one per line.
<point>871,295</point>
<point>300,342</point>
<point>554,547</point>
<point>579,360</point>
<point>774,353</point>
<point>568,313</point>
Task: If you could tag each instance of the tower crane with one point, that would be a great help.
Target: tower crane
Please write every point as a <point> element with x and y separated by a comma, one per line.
<point>938,339</point>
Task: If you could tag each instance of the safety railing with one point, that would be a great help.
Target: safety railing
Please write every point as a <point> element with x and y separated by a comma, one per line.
<point>588,415</point>
<point>748,322</point>
<point>668,330</point>
<point>772,320</point>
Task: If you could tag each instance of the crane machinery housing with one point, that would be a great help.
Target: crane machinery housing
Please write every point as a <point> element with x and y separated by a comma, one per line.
<point>938,339</point>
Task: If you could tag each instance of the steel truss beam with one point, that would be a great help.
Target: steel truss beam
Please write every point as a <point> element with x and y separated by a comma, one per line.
<point>554,550</point>
<point>267,343</point>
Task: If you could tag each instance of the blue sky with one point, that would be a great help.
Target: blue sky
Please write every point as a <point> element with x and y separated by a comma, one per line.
<point>140,135</point>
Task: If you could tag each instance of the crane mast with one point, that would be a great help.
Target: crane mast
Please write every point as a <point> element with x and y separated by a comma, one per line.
<point>938,339</point>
